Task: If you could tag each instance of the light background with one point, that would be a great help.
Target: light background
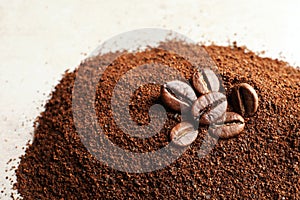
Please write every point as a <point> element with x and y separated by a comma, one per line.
<point>39,40</point>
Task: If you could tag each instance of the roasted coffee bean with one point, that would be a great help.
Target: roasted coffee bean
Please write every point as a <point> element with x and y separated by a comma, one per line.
<point>178,95</point>
<point>183,134</point>
<point>206,81</point>
<point>210,108</point>
<point>233,125</point>
<point>244,99</point>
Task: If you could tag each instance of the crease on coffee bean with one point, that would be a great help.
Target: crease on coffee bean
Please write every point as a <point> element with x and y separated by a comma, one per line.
<point>229,123</point>
<point>206,79</point>
<point>200,84</point>
<point>186,93</point>
<point>178,95</point>
<point>203,111</point>
<point>241,99</point>
<point>210,107</point>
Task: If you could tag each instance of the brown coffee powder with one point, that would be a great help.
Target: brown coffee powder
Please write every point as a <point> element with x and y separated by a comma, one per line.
<point>261,163</point>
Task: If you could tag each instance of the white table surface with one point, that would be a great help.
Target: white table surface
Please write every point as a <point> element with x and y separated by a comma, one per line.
<point>39,40</point>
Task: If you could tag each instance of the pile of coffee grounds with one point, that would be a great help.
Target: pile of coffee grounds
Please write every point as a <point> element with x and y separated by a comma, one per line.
<point>261,163</point>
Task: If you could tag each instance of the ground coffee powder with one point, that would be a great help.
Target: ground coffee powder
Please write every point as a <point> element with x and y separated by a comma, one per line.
<point>261,163</point>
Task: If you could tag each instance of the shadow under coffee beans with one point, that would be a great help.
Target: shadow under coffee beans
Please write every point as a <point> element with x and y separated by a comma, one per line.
<point>262,162</point>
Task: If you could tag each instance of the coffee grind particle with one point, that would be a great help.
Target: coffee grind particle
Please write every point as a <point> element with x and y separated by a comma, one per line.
<point>261,163</point>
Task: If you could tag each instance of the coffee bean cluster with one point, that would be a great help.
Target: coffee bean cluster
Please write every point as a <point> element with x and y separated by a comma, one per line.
<point>209,108</point>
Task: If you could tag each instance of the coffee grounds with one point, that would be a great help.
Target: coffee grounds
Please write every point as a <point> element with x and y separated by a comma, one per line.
<point>261,163</point>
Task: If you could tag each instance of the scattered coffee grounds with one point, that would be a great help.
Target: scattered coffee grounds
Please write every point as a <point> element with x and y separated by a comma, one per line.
<point>261,163</point>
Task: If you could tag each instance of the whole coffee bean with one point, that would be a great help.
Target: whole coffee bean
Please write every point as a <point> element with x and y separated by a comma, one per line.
<point>178,95</point>
<point>183,134</point>
<point>244,99</point>
<point>206,81</point>
<point>210,108</point>
<point>233,125</point>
